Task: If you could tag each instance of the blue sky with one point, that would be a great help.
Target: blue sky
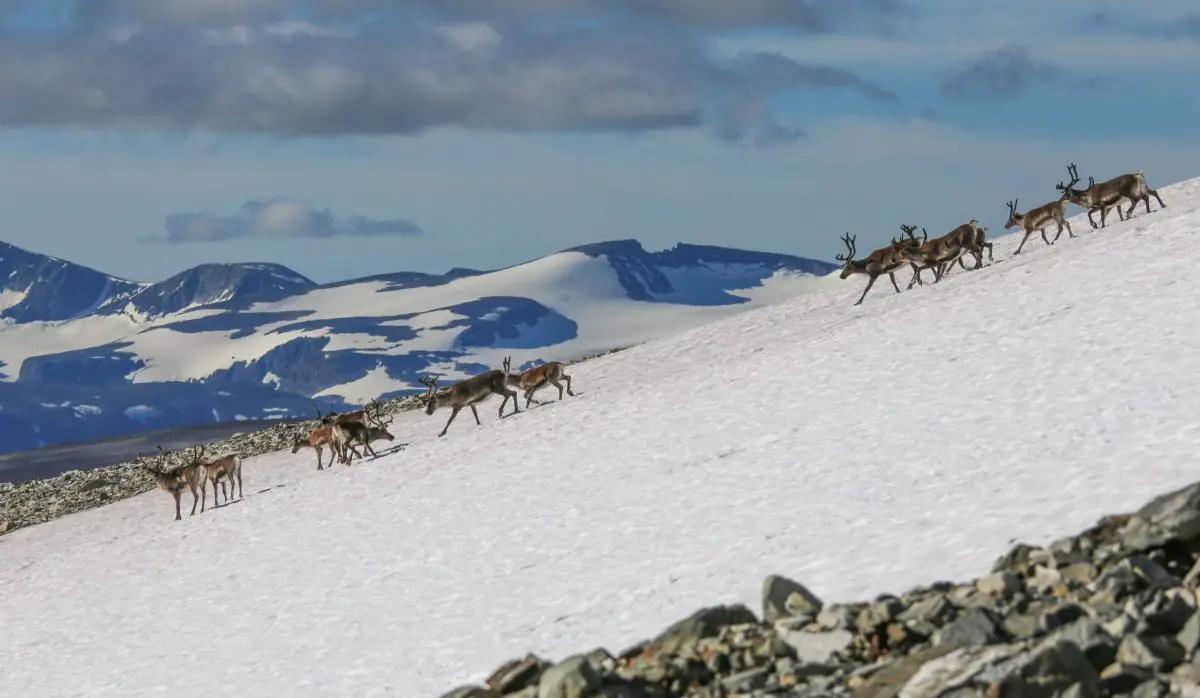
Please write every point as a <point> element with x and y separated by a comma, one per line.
<point>353,137</point>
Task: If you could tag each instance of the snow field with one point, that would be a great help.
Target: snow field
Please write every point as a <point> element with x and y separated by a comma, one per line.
<point>858,449</point>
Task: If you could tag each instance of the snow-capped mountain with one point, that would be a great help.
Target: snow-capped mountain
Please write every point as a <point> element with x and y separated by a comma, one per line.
<point>861,449</point>
<point>82,351</point>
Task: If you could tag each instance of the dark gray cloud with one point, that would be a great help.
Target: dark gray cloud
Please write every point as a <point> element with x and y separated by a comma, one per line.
<point>396,78</point>
<point>278,220</point>
<point>806,15</point>
<point>999,74</point>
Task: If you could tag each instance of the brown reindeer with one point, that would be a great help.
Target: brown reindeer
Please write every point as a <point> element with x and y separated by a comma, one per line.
<point>226,468</point>
<point>1108,194</point>
<point>318,439</point>
<point>188,475</point>
<point>471,392</point>
<point>536,378</point>
<point>365,415</point>
<point>885,260</point>
<point>941,252</point>
<point>1039,219</point>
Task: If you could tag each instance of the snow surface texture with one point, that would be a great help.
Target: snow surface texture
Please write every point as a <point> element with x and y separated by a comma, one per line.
<point>860,449</point>
<point>243,327</point>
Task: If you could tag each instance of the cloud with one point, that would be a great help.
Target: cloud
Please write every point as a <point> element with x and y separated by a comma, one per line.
<point>278,220</point>
<point>804,15</point>
<point>403,77</point>
<point>1002,73</point>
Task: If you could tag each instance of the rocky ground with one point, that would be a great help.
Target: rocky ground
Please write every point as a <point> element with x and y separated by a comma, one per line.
<point>38,501</point>
<point>1109,612</point>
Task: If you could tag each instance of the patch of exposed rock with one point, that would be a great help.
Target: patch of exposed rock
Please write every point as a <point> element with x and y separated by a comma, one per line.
<point>38,501</point>
<point>1112,611</point>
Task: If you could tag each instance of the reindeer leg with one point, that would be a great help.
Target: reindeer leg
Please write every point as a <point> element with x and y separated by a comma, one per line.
<point>516,407</point>
<point>916,276</point>
<point>1067,224</point>
<point>568,380</point>
<point>453,414</point>
<point>1129,211</point>
<point>1090,220</point>
<point>988,245</point>
<point>239,479</point>
<point>1023,239</point>
<point>476,413</point>
<point>870,283</point>
<point>1154,193</point>
<point>368,449</point>
<point>558,385</point>
<point>176,495</point>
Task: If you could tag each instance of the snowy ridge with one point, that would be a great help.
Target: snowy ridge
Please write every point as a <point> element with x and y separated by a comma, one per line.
<point>862,449</point>
<point>239,327</point>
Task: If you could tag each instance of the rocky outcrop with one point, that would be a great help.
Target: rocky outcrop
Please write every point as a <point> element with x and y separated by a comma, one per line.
<point>1112,611</point>
<point>38,501</point>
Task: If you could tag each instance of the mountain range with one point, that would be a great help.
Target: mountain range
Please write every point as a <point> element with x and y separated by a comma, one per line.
<point>87,355</point>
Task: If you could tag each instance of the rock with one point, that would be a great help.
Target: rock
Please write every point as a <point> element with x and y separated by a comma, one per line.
<point>976,626</point>
<point>784,598</point>
<point>1188,636</point>
<point>1003,584</point>
<point>1154,574</point>
<point>955,670</point>
<point>707,622</point>
<point>1121,679</point>
<point>573,677</point>
<point>747,681</point>
<point>1153,652</point>
<point>1172,517</point>
<point>817,647</point>
<point>1045,578</point>
<point>516,675</point>
<point>837,616</point>
<point>933,609</point>
<point>1057,617</point>
<point>470,692</point>
<point>1049,667</point>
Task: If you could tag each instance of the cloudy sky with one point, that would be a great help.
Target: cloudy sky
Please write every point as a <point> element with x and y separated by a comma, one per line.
<point>351,137</point>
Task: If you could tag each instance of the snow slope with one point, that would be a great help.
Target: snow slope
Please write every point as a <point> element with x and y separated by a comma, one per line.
<point>860,449</point>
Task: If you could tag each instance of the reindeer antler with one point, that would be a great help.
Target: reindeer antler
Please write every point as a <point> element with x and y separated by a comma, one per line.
<point>507,363</point>
<point>1012,207</point>
<point>849,240</point>
<point>373,410</point>
<point>1074,179</point>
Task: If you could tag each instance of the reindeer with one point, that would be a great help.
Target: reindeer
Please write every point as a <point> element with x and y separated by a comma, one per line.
<point>537,377</point>
<point>470,392</point>
<point>318,439</point>
<point>364,415</point>
<point>885,260</point>
<point>191,475</point>
<point>1108,194</point>
<point>941,252</point>
<point>1038,219</point>
<point>227,467</point>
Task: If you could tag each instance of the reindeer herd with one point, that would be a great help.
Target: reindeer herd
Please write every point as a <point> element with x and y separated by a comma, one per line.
<point>940,253</point>
<point>341,432</point>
